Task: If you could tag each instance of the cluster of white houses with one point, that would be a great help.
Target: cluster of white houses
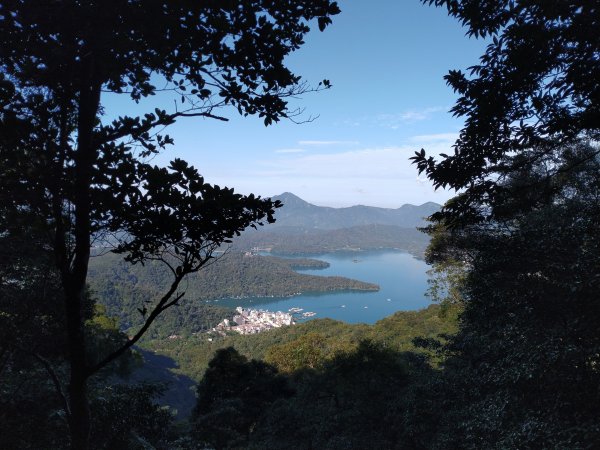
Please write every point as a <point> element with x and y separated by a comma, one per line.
<point>251,321</point>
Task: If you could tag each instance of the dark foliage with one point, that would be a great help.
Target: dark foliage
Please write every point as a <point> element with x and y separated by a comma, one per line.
<point>370,396</point>
<point>145,424</point>
<point>85,179</point>
<point>33,348</point>
<point>232,396</point>
<point>534,90</point>
<point>523,370</point>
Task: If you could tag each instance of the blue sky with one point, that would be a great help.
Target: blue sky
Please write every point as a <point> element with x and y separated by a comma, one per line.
<point>386,61</point>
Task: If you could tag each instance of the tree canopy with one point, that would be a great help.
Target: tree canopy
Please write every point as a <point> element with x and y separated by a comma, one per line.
<point>522,371</point>
<point>533,91</point>
<point>89,181</point>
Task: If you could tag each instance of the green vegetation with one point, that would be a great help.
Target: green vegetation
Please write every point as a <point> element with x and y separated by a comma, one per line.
<point>234,391</point>
<point>395,332</point>
<point>518,251</point>
<point>32,342</point>
<point>293,241</point>
<point>126,289</point>
<point>367,396</point>
<point>528,338</point>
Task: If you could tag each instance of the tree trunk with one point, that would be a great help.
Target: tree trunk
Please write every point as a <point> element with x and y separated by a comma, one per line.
<point>75,282</point>
<point>79,414</point>
<point>79,419</point>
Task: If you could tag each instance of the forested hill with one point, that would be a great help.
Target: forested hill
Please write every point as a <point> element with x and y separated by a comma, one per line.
<point>299,213</point>
<point>184,360</point>
<point>299,241</point>
<point>396,332</point>
<point>124,288</point>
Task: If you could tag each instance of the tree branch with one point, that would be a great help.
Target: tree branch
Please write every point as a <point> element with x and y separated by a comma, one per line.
<point>163,304</point>
<point>161,121</point>
<point>53,376</point>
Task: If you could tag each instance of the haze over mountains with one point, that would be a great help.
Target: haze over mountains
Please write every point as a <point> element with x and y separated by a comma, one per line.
<point>299,213</point>
<point>304,228</point>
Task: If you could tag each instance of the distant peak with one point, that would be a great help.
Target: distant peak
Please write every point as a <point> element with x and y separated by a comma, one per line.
<point>288,195</point>
<point>289,198</point>
<point>428,205</point>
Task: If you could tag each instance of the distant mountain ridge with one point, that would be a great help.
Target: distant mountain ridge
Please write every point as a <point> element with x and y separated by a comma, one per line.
<point>299,213</point>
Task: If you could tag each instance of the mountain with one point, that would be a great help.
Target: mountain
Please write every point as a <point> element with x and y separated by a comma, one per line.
<point>298,213</point>
<point>303,241</point>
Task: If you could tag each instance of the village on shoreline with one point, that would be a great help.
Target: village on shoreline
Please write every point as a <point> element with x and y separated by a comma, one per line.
<point>252,321</point>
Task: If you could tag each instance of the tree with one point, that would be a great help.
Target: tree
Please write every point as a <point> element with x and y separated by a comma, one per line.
<point>534,91</point>
<point>232,396</point>
<point>523,370</point>
<point>308,351</point>
<point>89,181</point>
<point>33,349</point>
<point>370,396</point>
<point>450,263</point>
<point>31,345</point>
<point>146,425</point>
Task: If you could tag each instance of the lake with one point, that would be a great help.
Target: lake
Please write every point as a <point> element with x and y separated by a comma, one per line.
<point>402,280</point>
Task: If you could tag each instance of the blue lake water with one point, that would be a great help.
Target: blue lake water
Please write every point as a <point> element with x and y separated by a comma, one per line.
<point>402,280</point>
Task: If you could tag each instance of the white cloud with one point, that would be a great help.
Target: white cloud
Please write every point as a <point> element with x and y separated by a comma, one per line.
<point>290,150</point>
<point>429,138</point>
<point>390,162</point>
<point>380,176</point>
<point>324,143</point>
<point>421,179</point>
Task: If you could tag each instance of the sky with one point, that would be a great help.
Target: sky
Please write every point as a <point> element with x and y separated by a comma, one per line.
<point>385,60</point>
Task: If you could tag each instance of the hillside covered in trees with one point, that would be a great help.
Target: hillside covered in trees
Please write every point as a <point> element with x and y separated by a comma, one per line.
<point>302,228</point>
<point>395,332</point>
<point>125,289</point>
<point>301,241</point>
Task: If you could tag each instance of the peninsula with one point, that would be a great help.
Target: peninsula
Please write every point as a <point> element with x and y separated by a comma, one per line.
<point>123,287</point>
